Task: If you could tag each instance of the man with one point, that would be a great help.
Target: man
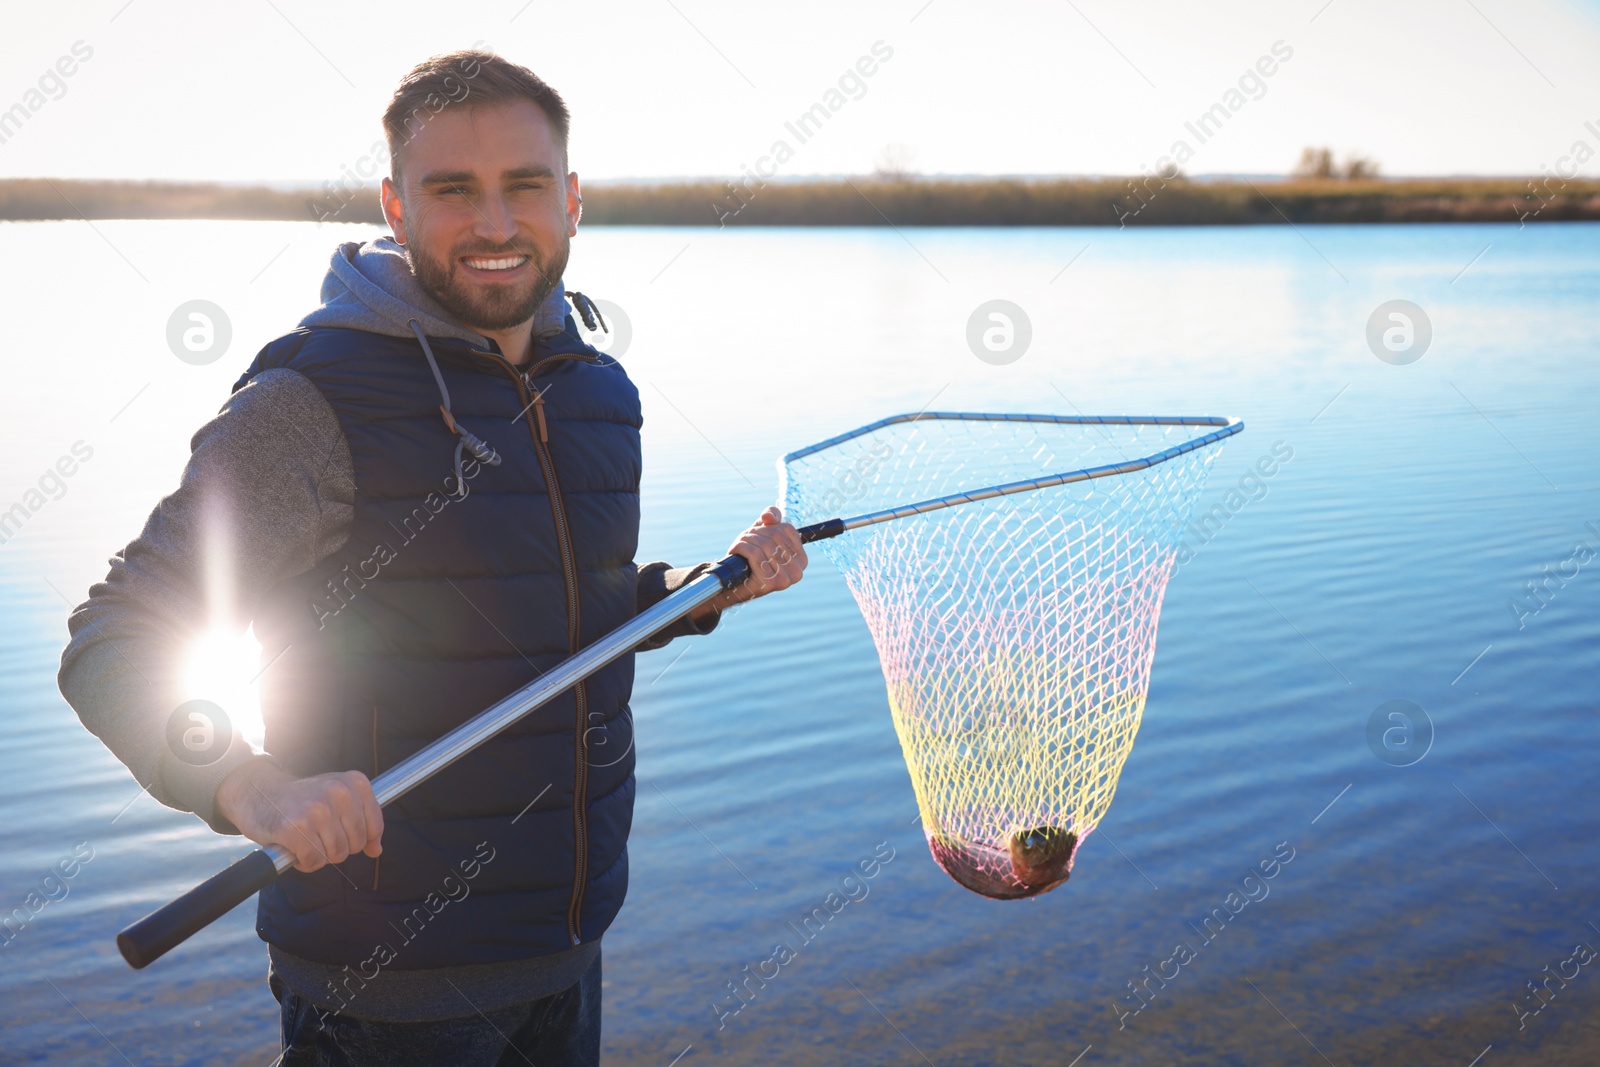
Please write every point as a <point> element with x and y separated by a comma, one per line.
<point>422,498</point>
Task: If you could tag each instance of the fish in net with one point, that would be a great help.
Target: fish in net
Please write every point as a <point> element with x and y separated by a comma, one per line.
<point>1013,601</point>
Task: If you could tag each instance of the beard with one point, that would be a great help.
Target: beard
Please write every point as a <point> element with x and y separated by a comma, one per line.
<point>495,306</point>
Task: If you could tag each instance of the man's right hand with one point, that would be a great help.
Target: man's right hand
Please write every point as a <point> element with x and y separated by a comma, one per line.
<point>321,820</point>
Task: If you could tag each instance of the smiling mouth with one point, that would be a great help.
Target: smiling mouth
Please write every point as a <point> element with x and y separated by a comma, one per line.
<point>494,262</point>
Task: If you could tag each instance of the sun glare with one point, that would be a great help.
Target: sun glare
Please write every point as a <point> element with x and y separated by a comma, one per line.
<point>223,668</point>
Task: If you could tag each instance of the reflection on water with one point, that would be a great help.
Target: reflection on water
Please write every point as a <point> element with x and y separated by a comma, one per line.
<point>1381,563</point>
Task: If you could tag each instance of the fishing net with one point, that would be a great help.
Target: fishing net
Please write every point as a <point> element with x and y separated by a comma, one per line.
<point>1015,633</point>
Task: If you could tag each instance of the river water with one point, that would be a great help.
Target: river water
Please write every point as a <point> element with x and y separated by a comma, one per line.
<point>1384,560</point>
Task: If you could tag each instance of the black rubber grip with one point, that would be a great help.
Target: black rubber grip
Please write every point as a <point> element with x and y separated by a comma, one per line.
<point>821,531</point>
<point>731,571</point>
<point>172,924</point>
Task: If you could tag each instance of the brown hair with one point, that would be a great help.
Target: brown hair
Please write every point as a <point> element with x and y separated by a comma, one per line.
<point>480,77</point>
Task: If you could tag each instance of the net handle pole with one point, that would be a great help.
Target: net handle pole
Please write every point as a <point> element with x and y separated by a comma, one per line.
<point>175,922</point>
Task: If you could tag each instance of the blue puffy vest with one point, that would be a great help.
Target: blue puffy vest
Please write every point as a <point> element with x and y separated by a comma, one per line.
<point>437,606</point>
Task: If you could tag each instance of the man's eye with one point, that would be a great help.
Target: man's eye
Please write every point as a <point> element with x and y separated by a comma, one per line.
<point>454,190</point>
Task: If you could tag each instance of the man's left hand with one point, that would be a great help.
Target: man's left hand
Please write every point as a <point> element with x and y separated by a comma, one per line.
<point>777,560</point>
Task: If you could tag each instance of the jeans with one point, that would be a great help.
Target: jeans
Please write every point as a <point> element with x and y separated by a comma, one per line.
<point>561,1030</point>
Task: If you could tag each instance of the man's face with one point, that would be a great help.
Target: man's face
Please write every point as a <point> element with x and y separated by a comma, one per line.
<point>486,211</point>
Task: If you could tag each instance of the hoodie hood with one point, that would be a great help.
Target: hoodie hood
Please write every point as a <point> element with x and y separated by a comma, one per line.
<point>370,287</point>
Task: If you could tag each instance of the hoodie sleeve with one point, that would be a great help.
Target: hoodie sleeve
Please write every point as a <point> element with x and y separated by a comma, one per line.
<point>657,581</point>
<point>267,493</point>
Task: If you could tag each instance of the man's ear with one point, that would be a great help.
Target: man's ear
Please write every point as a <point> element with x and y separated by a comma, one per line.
<point>574,204</point>
<point>393,212</point>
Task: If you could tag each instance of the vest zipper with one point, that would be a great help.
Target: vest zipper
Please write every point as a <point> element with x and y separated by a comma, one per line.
<point>377,862</point>
<point>539,431</point>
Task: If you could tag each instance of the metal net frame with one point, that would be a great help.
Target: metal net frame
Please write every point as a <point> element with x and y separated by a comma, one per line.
<point>1013,602</point>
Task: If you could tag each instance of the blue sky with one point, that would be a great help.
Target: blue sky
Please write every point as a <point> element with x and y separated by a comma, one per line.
<point>291,90</point>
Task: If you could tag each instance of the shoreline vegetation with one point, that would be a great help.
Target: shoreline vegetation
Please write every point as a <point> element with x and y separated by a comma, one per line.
<point>1147,200</point>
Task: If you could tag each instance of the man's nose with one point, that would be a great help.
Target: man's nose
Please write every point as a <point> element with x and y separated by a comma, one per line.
<point>495,221</point>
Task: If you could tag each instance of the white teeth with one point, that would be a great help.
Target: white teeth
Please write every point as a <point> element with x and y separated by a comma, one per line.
<point>497,264</point>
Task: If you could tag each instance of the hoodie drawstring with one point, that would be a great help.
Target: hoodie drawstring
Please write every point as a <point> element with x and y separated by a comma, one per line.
<point>588,310</point>
<point>480,448</point>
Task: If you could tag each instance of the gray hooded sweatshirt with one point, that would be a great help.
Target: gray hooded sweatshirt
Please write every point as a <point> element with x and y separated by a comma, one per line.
<point>273,470</point>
